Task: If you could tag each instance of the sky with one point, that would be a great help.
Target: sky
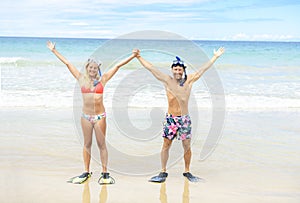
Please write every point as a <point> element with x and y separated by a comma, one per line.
<point>253,20</point>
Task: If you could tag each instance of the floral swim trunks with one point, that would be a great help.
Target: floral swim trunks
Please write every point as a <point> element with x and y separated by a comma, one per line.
<point>177,126</point>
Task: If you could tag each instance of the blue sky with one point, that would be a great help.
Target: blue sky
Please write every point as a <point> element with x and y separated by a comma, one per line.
<point>276,20</point>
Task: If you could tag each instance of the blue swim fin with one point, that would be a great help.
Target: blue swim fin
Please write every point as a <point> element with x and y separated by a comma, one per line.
<point>160,178</point>
<point>191,177</point>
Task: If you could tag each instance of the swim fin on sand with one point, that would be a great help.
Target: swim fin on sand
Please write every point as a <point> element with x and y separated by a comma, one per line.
<point>191,177</point>
<point>106,179</point>
<point>160,178</point>
<point>80,179</point>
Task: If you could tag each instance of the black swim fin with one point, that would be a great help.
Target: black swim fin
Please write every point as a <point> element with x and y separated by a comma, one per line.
<point>191,177</point>
<point>106,179</point>
<point>80,179</point>
<point>160,178</point>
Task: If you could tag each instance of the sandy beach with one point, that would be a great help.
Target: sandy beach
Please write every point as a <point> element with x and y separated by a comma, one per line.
<point>256,160</point>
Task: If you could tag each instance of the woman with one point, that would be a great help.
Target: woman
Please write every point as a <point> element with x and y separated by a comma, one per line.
<point>92,84</point>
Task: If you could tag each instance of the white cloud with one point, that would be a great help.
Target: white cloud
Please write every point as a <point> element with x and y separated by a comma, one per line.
<point>272,37</point>
<point>260,37</point>
<point>91,3</point>
<point>122,2</point>
<point>86,33</point>
<point>240,36</point>
<point>79,23</point>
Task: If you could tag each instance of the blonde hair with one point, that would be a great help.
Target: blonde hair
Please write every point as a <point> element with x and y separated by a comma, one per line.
<point>85,78</point>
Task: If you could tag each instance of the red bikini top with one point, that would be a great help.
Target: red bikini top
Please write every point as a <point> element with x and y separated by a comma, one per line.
<point>98,89</point>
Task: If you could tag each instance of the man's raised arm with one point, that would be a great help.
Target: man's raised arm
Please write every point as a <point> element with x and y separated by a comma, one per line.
<point>195,76</point>
<point>158,74</point>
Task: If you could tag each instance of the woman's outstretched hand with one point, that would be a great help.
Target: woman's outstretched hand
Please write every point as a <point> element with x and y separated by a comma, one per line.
<point>51,45</point>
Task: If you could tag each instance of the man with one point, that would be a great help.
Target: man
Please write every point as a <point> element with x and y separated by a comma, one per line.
<point>177,122</point>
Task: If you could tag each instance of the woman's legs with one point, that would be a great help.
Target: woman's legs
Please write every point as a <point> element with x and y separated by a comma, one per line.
<point>100,131</point>
<point>87,129</point>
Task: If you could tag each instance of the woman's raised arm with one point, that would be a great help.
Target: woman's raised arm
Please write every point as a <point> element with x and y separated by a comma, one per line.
<point>71,68</point>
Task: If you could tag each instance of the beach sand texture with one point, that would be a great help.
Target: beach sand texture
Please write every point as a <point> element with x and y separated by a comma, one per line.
<point>255,161</point>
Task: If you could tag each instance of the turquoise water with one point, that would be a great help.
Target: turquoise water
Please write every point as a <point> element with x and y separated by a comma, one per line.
<point>254,75</point>
<point>248,53</point>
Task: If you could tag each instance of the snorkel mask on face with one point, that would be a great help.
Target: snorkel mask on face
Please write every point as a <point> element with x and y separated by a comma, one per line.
<point>99,63</point>
<point>179,62</point>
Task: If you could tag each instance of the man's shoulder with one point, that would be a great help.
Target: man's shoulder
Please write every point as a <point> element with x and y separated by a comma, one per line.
<point>169,79</point>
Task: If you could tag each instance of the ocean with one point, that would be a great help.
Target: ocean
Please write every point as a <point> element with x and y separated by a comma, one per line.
<point>254,75</point>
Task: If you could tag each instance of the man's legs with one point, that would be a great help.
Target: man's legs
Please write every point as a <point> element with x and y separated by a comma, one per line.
<point>187,160</point>
<point>187,154</point>
<point>165,154</point>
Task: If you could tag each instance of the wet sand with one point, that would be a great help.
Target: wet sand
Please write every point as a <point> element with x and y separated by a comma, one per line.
<point>257,160</point>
